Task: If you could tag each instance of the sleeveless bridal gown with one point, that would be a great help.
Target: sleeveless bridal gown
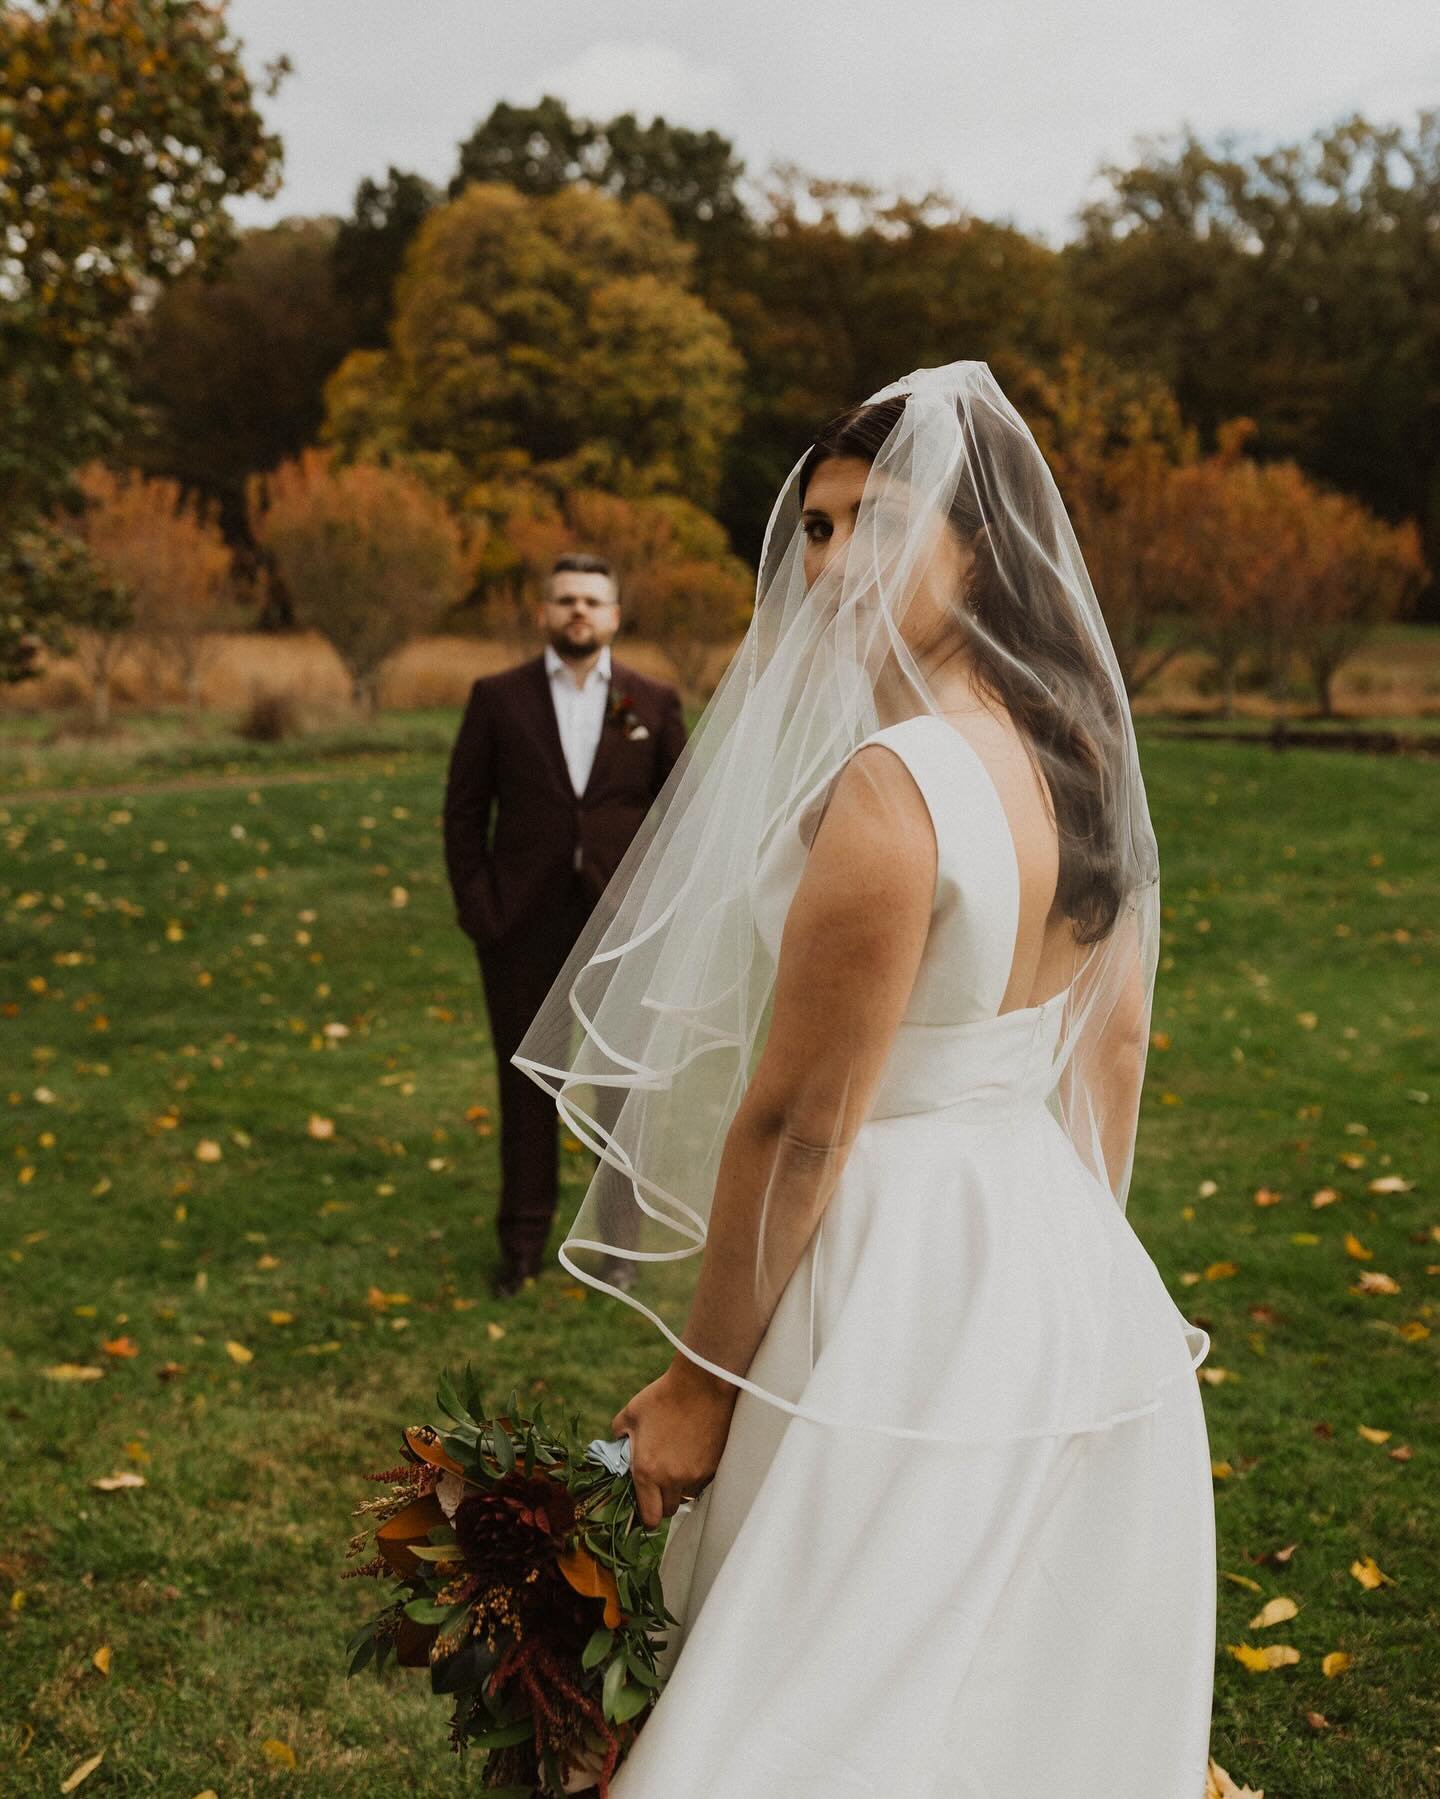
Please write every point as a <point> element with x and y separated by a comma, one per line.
<point>1025,1611</point>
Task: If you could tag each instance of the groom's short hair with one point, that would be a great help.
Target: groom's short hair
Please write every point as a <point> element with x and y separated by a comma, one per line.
<point>582,562</point>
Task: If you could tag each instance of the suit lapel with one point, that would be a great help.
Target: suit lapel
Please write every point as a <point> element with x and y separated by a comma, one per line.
<point>549,725</point>
<point>609,731</point>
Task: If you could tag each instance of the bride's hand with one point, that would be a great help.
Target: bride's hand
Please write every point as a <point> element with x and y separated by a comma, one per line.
<point>677,1428</point>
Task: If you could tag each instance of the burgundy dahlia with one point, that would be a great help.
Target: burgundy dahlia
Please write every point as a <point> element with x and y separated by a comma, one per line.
<point>517,1525</point>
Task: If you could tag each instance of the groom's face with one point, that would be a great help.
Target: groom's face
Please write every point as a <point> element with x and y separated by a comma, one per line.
<point>580,614</point>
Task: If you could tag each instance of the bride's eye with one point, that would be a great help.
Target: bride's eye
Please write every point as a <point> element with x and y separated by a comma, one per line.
<point>817,530</point>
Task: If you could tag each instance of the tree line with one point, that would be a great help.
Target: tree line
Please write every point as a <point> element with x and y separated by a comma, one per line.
<point>608,331</point>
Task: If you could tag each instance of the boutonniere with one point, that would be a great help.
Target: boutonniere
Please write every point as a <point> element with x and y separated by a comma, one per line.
<point>620,710</point>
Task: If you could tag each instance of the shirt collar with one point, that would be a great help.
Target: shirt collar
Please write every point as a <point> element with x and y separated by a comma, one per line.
<point>555,665</point>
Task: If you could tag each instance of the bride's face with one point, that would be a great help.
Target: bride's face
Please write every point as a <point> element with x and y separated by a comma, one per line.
<point>932,602</point>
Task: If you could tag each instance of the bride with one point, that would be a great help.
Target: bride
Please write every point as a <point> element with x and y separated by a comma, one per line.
<point>865,1016</point>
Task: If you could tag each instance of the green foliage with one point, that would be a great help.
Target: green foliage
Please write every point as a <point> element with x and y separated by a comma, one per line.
<point>695,175</point>
<point>1292,286</point>
<point>230,366</point>
<point>556,333</point>
<point>369,249</point>
<point>125,125</point>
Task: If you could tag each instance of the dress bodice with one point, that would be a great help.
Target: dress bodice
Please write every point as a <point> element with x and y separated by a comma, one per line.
<point>954,1047</point>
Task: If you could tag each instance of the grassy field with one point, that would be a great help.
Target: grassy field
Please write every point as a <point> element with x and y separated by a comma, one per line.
<point>241,1038</point>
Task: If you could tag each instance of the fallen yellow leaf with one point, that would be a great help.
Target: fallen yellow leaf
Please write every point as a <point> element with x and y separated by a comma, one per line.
<point>281,1317</point>
<point>1219,1785</point>
<point>1337,1662</point>
<point>1374,1436</point>
<point>83,1772</point>
<point>1356,1250</point>
<point>494,1331</point>
<point>280,1753</point>
<point>1413,1331</point>
<point>72,1371</point>
<point>1274,1611</point>
<point>1391,1183</point>
<point>1372,1281</point>
<point>1325,1196</point>
<point>101,1658</point>
<point>1242,1580</point>
<point>121,1348</point>
<point>1221,1271</point>
<point>321,1129</point>
<point>238,1353</point>
<point>1368,1574</point>
<point>1263,1661</point>
<point>208,1150</point>
<point>118,1483</point>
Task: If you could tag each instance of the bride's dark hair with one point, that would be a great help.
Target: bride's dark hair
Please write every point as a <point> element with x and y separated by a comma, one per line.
<point>1030,652</point>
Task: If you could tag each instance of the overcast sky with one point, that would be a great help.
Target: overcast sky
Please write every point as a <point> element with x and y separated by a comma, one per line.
<point>1010,107</point>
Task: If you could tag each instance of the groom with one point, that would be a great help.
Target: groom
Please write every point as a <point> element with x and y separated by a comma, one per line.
<point>555,767</point>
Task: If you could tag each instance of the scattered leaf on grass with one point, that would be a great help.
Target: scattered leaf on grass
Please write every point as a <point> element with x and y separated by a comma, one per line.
<point>1274,1611</point>
<point>1242,1580</point>
<point>1372,1281</point>
<point>118,1483</point>
<point>1264,1661</point>
<point>1356,1250</point>
<point>1370,1576</point>
<point>239,1354</point>
<point>1337,1662</point>
<point>1391,1183</point>
<point>83,1772</point>
<point>1371,1435</point>
<point>101,1658</point>
<point>494,1331</point>
<point>1317,1720</point>
<point>121,1348</point>
<point>321,1129</point>
<point>1219,1785</point>
<point>1325,1196</point>
<point>72,1371</point>
<point>281,1754</point>
<point>1221,1271</point>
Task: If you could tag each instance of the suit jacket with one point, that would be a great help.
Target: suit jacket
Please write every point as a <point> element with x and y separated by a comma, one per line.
<point>516,833</point>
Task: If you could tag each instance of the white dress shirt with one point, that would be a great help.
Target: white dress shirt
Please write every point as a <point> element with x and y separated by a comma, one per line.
<point>579,712</point>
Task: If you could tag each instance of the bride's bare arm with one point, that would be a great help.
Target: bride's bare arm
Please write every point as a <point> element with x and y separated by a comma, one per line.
<point>848,958</point>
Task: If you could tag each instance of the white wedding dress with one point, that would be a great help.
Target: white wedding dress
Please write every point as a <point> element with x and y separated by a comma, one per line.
<point>1025,1610</point>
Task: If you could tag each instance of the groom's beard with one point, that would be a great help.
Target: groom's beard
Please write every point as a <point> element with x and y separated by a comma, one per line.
<point>574,649</point>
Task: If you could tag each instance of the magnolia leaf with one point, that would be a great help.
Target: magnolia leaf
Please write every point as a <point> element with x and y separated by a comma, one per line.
<point>1274,1611</point>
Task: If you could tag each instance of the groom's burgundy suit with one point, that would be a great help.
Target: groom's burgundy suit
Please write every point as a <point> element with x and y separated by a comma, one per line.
<point>527,859</point>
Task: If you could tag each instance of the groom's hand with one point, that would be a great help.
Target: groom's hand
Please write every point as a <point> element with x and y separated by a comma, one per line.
<point>677,1428</point>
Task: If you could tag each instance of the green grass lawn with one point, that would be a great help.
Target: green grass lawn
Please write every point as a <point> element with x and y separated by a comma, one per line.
<point>191,976</point>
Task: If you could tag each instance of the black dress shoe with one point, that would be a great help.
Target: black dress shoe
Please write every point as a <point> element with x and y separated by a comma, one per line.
<point>514,1277</point>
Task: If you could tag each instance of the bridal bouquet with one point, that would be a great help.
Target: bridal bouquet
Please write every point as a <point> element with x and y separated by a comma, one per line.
<point>526,1584</point>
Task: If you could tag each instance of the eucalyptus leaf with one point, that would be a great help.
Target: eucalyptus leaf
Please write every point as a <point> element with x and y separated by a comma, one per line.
<point>504,1735</point>
<point>613,1687</point>
<point>631,1700</point>
<point>502,1448</point>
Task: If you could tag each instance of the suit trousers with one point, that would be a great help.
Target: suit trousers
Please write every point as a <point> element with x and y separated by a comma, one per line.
<point>517,974</point>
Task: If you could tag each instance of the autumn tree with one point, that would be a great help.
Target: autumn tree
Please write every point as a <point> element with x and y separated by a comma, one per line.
<point>125,126</point>
<point>841,288</point>
<point>1294,286</point>
<point>1114,440</point>
<point>369,249</point>
<point>1340,572</point>
<point>541,149</point>
<point>166,549</point>
<point>231,364</point>
<point>370,556</point>
<point>553,334</point>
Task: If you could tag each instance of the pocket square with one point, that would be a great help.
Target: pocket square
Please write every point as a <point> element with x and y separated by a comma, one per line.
<point>638,733</point>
